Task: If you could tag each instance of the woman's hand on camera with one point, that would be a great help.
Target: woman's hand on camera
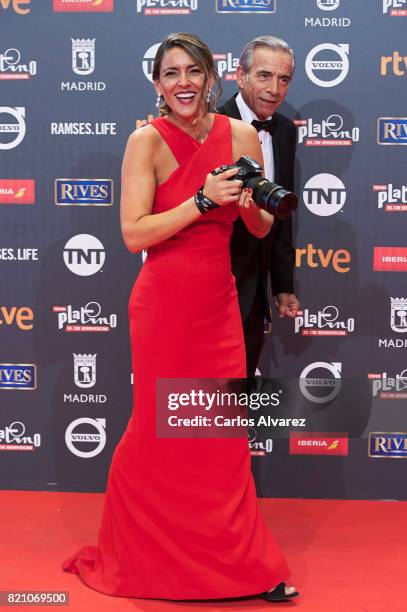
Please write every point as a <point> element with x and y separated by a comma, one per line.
<point>221,190</point>
<point>246,201</point>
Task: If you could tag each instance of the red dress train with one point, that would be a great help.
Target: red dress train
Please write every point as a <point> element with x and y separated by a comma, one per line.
<point>180,517</point>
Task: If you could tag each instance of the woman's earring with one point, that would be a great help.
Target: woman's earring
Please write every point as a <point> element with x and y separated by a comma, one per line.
<point>209,96</point>
<point>158,103</point>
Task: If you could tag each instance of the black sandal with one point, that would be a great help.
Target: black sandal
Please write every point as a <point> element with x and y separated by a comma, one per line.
<point>278,594</point>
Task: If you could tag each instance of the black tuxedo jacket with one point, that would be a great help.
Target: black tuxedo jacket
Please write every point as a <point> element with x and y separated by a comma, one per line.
<point>253,258</point>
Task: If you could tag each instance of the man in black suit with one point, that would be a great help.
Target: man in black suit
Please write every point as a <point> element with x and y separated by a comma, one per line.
<point>264,73</point>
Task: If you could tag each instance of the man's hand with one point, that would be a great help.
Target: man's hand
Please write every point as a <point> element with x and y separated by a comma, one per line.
<point>287,305</point>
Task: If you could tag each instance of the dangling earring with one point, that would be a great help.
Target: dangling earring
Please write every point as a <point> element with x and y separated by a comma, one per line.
<point>209,96</point>
<point>158,103</point>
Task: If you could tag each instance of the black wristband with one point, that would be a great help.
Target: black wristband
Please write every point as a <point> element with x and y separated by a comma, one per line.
<point>203,203</point>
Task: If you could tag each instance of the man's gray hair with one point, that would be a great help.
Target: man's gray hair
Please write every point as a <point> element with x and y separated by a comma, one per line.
<point>274,43</point>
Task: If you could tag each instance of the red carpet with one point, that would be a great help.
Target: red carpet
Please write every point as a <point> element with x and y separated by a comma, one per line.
<point>347,556</point>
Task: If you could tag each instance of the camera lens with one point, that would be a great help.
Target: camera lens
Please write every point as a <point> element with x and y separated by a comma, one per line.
<point>273,198</point>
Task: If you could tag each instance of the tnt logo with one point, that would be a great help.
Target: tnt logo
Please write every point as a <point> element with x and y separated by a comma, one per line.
<point>84,255</point>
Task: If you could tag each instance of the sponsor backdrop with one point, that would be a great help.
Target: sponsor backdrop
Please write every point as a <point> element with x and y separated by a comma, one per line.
<point>75,81</point>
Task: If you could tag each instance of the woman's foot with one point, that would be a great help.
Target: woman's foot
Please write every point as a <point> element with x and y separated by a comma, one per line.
<point>281,592</point>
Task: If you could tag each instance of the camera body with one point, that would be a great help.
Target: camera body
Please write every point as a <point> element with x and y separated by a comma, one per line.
<point>271,197</point>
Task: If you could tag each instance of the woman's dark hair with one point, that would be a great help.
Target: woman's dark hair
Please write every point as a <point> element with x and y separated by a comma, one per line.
<point>201,54</point>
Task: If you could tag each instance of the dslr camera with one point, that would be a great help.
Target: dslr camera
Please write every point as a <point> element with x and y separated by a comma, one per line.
<point>271,197</point>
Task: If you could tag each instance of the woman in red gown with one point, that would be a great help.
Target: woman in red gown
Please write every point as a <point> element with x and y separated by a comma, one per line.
<point>180,518</point>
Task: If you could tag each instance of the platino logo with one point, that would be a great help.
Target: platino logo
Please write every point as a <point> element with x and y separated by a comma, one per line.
<point>11,67</point>
<point>390,387</point>
<point>324,194</point>
<point>78,438</point>
<point>83,192</point>
<point>22,376</point>
<point>13,438</point>
<point>392,130</point>
<point>259,448</point>
<point>321,390</point>
<point>84,370</point>
<point>260,7</point>
<point>392,199</point>
<point>226,65</point>
<point>325,323</point>
<point>328,64</point>
<point>329,132</point>
<point>15,129</point>
<point>84,255</point>
<point>86,319</point>
<point>167,7</point>
<point>395,8</point>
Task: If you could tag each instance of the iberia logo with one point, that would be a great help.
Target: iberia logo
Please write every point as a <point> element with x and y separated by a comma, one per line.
<point>17,191</point>
<point>315,443</point>
<point>89,6</point>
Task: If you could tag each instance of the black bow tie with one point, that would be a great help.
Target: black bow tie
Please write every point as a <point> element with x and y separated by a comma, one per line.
<point>267,126</point>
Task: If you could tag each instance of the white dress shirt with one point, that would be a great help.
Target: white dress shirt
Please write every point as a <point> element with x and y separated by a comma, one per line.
<point>265,138</point>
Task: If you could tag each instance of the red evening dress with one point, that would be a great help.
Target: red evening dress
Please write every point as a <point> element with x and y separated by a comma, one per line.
<point>180,517</point>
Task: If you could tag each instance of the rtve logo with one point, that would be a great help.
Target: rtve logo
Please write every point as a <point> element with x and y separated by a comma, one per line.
<point>17,5</point>
<point>315,258</point>
<point>398,63</point>
<point>22,316</point>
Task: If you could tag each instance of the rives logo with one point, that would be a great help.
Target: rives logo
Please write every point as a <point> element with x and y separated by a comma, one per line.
<point>22,316</point>
<point>17,191</point>
<point>392,445</point>
<point>260,7</point>
<point>22,376</point>
<point>85,6</point>
<point>83,192</point>
<point>392,130</point>
<point>21,7</point>
<point>314,258</point>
